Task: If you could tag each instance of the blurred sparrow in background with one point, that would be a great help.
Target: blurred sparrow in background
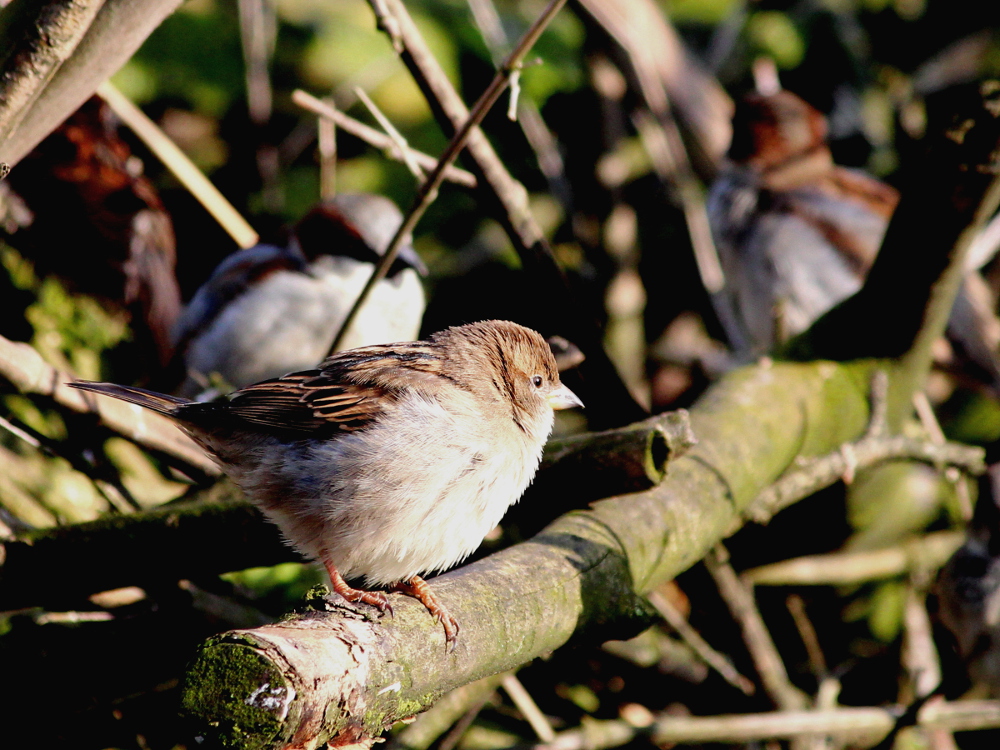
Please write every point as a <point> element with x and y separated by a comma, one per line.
<point>386,462</point>
<point>268,310</point>
<point>97,223</point>
<point>796,234</point>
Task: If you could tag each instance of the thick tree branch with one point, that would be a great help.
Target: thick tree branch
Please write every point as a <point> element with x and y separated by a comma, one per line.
<point>35,39</point>
<point>582,575</point>
<point>114,34</point>
<point>59,566</point>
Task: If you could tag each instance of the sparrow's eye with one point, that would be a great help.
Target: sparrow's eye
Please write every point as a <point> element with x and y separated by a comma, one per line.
<point>536,380</point>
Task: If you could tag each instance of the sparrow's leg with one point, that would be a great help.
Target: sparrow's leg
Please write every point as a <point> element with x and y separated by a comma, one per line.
<point>417,588</point>
<point>375,598</point>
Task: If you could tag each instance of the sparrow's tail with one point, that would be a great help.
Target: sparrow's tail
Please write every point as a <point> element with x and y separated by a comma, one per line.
<point>158,402</point>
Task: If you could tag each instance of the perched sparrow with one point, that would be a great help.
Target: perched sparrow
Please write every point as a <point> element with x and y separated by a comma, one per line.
<point>266,310</point>
<point>386,461</point>
<point>796,233</point>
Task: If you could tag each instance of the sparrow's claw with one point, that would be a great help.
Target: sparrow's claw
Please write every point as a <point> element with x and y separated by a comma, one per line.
<point>450,630</point>
<point>417,588</point>
<point>376,599</point>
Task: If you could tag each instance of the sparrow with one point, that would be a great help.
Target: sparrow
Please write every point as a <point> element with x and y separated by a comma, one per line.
<point>268,310</point>
<point>98,223</point>
<point>386,462</point>
<point>796,233</point>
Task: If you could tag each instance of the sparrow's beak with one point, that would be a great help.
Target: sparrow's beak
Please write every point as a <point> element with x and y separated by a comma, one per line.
<point>563,398</point>
<point>408,255</point>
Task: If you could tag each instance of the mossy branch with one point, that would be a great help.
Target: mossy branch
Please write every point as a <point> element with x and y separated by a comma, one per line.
<point>338,674</point>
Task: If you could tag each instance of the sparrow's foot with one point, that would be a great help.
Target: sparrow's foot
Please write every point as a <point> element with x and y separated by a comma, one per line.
<point>375,598</point>
<point>417,588</point>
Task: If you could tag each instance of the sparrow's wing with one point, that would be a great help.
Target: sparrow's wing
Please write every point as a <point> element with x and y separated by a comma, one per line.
<point>347,392</point>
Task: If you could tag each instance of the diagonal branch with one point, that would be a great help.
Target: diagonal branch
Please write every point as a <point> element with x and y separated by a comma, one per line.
<point>377,139</point>
<point>110,39</point>
<point>36,39</point>
<point>428,190</point>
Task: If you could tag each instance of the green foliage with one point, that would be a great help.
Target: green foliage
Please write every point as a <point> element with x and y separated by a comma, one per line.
<point>774,34</point>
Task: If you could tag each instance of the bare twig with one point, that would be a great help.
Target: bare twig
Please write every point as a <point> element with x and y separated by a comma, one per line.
<point>428,191</point>
<point>182,167</point>
<point>739,599</point>
<point>821,472</point>
<point>327,111</point>
<point>864,725</point>
<point>874,447</point>
<point>327,136</point>
<point>717,661</point>
<point>539,137</point>
<point>665,147</point>
<point>919,654</point>
<point>668,77</point>
<point>401,145</point>
<point>453,707</point>
<point>451,740</point>
<point>861,727</point>
<point>257,33</point>
<point>528,708</point>
<point>797,609</point>
<point>109,485</point>
<point>927,553</point>
<point>925,412</point>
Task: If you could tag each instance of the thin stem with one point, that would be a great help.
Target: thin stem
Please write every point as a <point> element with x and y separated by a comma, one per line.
<point>327,111</point>
<point>327,135</point>
<point>428,191</point>
<point>767,660</point>
<point>392,132</point>
<point>717,661</point>
<point>182,167</point>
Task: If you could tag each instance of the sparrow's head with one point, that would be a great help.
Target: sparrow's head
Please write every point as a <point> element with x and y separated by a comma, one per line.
<point>770,130</point>
<point>358,226</point>
<point>512,367</point>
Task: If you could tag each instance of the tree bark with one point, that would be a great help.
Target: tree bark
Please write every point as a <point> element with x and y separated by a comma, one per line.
<point>73,68</point>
